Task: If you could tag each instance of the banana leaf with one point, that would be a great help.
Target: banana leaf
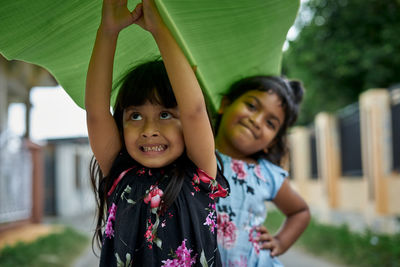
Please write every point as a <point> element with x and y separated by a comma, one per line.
<point>223,40</point>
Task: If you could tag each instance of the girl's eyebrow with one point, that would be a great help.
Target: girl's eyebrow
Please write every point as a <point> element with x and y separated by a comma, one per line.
<point>131,108</point>
<point>273,116</point>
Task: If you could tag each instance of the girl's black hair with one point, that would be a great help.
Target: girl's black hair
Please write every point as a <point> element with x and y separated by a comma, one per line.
<point>290,93</point>
<point>145,82</point>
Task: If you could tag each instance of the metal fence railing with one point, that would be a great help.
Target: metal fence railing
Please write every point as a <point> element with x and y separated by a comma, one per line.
<point>15,179</point>
<point>313,155</point>
<point>350,141</point>
<point>396,136</point>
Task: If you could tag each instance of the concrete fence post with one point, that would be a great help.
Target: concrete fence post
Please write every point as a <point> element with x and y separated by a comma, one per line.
<point>328,152</point>
<point>376,143</point>
<point>299,141</point>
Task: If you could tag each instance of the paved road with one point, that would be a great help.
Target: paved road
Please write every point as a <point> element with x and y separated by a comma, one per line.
<point>85,224</point>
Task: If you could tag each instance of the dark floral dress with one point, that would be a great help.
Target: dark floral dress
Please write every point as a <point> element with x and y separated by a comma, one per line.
<point>138,233</point>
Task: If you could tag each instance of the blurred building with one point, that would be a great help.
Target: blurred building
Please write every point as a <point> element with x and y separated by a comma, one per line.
<point>67,185</point>
<point>21,161</point>
<point>347,165</point>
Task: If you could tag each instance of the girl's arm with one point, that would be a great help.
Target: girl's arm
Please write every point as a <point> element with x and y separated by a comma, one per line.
<point>297,218</point>
<point>197,131</point>
<point>103,133</point>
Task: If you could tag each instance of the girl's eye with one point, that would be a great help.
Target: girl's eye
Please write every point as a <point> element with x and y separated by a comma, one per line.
<point>136,117</point>
<point>165,115</point>
<point>250,106</point>
<point>270,124</point>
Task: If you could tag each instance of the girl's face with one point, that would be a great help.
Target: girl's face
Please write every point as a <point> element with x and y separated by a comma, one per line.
<point>249,124</point>
<point>153,134</point>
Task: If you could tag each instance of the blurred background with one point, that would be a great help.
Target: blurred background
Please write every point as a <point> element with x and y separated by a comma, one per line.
<point>344,151</point>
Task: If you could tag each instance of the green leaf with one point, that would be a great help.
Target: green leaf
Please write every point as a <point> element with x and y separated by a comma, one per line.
<point>203,259</point>
<point>225,40</point>
<point>119,261</point>
<point>128,259</point>
<point>130,201</point>
<point>158,242</point>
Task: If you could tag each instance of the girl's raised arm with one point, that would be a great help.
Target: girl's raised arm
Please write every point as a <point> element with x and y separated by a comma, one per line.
<point>197,131</point>
<point>103,133</point>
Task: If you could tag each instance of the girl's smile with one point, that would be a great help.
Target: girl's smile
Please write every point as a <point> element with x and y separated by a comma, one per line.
<point>153,148</point>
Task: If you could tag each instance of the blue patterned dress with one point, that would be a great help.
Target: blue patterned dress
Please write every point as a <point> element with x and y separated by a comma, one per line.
<point>238,214</point>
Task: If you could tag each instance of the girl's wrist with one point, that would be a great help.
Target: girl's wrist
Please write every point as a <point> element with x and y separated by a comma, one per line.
<point>107,32</point>
<point>160,32</point>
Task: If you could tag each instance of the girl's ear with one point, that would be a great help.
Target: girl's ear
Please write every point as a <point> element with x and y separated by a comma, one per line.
<point>224,103</point>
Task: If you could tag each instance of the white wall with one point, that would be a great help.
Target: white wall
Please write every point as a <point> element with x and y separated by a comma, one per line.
<point>71,200</point>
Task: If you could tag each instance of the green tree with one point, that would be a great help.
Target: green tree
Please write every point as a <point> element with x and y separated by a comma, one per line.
<point>347,47</point>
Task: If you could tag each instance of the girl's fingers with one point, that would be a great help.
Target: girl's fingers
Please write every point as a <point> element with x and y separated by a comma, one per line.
<point>274,251</point>
<point>262,229</point>
<point>267,245</point>
<point>137,13</point>
<point>264,237</point>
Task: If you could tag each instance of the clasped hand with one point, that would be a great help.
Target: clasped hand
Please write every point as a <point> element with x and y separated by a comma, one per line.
<point>116,16</point>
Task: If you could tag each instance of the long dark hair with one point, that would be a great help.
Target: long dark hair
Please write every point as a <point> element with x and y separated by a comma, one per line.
<point>145,82</point>
<point>290,93</point>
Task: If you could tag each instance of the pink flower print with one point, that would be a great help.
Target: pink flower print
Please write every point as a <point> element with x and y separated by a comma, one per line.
<point>111,217</point>
<point>212,206</point>
<point>238,167</point>
<point>141,171</point>
<point>256,245</point>
<point>226,231</point>
<point>205,178</point>
<point>210,221</point>
<point>149,233</point>
<point>221,192</point>
<point>196,179</point>
<point>239,263</point>
<point>257,172</point>
<point>182,257</point>
<point>154,197</point>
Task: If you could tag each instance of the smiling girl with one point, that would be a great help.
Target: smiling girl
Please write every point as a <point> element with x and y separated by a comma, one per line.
<point>251,129</point>
<point>155,169</point>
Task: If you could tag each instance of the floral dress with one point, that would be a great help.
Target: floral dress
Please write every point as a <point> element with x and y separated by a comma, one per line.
<point>238,215</point>
<point>139,233</point>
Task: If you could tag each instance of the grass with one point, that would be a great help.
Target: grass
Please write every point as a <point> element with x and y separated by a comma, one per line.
<point>57,249</point>
<point>342,245</point>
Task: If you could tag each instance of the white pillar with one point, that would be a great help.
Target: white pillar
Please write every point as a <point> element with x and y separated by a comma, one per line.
<point>376,141</point>
<point>3,97</point>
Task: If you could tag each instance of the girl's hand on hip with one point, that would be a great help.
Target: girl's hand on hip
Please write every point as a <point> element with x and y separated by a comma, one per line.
<point>267,241</point>
<point>116,16</point>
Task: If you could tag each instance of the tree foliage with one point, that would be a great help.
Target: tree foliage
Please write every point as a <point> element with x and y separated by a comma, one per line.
<point>348,46</point>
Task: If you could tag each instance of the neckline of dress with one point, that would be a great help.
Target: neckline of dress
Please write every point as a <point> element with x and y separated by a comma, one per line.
<point>249,164</point>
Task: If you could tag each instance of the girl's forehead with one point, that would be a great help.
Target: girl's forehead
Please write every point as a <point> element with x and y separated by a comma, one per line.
<point>149,106</point>
<point>262,95</point>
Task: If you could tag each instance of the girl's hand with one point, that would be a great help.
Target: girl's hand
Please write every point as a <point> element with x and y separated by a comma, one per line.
<point>267,241</point>
<point>146,16</point>
<point>116,16</point>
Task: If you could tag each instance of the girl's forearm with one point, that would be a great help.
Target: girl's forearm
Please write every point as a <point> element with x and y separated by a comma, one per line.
<point>192,108</point>
<point>292,228</point>
<point>182,77</point>
<point>99,76</point>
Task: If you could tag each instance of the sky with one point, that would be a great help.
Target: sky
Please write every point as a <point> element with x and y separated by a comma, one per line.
<point>53,115</point>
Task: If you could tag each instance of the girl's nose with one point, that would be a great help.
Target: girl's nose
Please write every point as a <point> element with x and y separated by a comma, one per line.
<point>255,120</point>
<point>150,129</point>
